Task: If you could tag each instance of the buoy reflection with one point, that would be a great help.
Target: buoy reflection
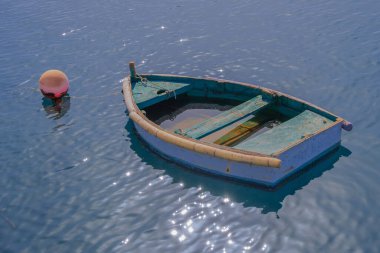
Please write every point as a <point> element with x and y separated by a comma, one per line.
<point>56,108</point>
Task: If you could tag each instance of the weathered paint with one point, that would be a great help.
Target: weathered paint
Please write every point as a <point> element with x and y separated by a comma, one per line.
<point>305,124</point>
<point>153,92</point>
<point>225,118</point>
<point>299,156</point>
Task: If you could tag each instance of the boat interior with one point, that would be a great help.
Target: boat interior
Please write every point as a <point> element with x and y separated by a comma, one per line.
<point>236,115</point>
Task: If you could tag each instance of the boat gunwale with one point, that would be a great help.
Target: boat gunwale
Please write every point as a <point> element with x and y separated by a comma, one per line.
<point>220,151</point>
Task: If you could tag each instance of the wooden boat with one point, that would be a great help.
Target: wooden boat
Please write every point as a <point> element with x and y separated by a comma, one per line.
<point>233,129</point>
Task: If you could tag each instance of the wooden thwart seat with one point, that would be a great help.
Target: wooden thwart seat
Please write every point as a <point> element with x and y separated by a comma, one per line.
<point>224,119</point>
<point>284,135</point>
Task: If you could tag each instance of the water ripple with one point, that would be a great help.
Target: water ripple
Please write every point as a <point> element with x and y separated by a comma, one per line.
<point>76,178</point>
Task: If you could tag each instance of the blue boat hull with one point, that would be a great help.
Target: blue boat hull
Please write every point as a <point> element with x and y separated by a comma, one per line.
<point>293,160</point>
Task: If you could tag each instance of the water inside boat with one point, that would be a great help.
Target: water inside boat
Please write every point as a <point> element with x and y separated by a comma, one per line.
<point>186,112</point>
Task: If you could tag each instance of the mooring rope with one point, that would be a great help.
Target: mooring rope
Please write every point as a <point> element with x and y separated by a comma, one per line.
<point>144,81</point>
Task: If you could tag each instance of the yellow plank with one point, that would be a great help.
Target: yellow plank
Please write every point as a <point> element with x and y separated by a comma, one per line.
<point>243,130</point>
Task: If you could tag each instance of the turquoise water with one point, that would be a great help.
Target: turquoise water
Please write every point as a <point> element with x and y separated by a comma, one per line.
<point>80,180</point>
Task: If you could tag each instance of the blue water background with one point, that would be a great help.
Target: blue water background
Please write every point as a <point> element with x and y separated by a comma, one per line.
<point>81,180</point>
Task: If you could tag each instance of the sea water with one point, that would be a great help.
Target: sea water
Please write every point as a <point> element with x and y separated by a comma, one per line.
<point>76,177</point>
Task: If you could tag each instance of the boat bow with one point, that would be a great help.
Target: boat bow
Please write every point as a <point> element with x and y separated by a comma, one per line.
<point>204,148</point>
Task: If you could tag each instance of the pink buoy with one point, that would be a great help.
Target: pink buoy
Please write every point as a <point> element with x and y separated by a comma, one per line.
<point>54,84</point>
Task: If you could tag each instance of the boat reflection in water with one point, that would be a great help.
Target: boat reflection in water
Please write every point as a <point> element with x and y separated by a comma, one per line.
<point>250,195</point>
<point>56,108</point>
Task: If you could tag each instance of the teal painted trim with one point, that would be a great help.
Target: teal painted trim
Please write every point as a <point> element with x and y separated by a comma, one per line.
<point>230,87</point>
<point>285,110</point>
<point>225,118</point>
<point>301,106</point>
<point>212,85</point>
<point>149,94</point>
<point>283,135</point>
<point>225,96</point>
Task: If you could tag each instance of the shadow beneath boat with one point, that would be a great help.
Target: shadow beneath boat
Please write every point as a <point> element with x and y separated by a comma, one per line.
<point>250,195</point>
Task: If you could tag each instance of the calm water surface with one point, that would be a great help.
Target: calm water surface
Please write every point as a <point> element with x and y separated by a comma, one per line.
<point>81,180</point>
